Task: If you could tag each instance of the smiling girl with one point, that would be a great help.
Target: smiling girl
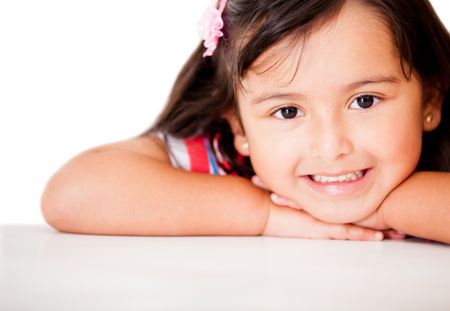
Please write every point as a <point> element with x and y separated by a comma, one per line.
<point>338,107</point>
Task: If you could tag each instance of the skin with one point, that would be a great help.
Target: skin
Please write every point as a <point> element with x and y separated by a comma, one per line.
<point>327,132</point>
<point>131,188</point>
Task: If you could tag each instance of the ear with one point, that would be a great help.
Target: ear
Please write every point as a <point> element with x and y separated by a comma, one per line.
<point>431,112</point>
<point>240,140</point>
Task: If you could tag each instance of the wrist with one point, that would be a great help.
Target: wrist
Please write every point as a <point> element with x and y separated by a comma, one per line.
<point>386,208</point>
<point>257,202</point>
<point>267,207</point>
<point>390,209</point>
<point>279,220</point>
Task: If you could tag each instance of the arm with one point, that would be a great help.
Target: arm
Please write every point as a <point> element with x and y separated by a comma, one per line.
<point>420,206</point>
<point>130,188</point>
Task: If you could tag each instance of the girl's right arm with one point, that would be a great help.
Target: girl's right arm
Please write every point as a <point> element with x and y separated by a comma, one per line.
<point>131,188</point>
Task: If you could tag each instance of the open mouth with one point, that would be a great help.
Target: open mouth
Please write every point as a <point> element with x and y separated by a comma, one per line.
<point>349,177</point>
<point>344,184</point>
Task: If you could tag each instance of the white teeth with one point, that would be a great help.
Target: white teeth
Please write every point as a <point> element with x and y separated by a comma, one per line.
<point>342,178</point>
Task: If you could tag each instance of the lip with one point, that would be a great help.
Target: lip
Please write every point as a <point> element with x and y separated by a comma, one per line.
<point>338,189</point>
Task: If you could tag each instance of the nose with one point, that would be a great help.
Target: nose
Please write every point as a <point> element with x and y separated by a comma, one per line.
<point>330,138</point>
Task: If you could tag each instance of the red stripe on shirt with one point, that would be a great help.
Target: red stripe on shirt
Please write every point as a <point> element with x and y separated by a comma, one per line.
<point>198,154</point>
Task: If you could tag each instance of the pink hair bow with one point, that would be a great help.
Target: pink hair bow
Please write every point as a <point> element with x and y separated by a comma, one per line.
<point>210,27</point>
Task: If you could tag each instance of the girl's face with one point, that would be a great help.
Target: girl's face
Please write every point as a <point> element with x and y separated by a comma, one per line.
<point>332,123</point>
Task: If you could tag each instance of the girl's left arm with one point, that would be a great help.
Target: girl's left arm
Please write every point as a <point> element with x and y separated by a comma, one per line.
<point>420,206</point>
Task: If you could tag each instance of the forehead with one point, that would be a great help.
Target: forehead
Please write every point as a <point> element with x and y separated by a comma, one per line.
<point>357,38</point>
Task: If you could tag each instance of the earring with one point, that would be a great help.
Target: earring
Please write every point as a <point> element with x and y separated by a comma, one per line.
<point>429,118</point>
<point>245,145</point>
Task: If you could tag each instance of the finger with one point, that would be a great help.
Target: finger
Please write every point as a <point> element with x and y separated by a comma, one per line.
<point>394,235</point>
<point>369,222</point>
<point>283,201</point>
<point>258,182</point>
<point>352,232</point>
<point>373,221</point>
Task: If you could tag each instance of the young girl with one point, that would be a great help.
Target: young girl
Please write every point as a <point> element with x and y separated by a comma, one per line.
<point>339,107</point>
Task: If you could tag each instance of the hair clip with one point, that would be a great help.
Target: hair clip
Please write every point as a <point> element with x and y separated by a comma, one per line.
<point>210,27</point>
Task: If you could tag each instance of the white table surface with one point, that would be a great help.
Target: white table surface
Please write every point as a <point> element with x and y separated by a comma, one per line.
<point>42,269</point>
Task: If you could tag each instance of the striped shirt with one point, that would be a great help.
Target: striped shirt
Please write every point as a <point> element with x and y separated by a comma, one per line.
<point>194,154</point>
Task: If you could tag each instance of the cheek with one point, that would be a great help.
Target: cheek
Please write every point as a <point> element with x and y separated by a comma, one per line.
<point>403,151</point>
<point>274,160</point>
<point>397,144</point>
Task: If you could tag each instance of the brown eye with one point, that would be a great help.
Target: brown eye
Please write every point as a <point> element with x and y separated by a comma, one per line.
<point>364,102</point>
<point>288,112</point>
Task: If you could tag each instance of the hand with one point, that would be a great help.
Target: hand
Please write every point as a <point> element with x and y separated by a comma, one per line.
<point>283,222</point>
<point>288,222</point>
<point>286,219</point>
<point>275,197</point>
<point>375,221</point>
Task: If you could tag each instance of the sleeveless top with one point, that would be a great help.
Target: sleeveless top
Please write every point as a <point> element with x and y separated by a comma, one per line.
<point>195,154</point>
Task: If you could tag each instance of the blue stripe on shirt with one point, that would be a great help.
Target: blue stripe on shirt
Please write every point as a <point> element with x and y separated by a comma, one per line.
<point>212,161</point>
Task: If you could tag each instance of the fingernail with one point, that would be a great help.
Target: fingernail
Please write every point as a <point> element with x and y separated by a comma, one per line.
<point>399,236</point>
<point>379,236</point>
<point>275,198</point>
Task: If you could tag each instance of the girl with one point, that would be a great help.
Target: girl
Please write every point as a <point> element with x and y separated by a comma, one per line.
<point>339,107</point>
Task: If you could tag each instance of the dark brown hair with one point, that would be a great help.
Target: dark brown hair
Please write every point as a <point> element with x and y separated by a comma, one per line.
<point>205,87</point>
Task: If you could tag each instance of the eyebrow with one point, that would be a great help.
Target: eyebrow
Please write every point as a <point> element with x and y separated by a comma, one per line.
<point>374,80</point>
<point>346,88</point>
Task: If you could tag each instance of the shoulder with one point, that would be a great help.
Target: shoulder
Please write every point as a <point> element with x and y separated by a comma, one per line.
<point>149,145</point>
<point>194,154</point>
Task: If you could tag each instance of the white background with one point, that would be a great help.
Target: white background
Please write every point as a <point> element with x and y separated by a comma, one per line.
<point>77,74</point>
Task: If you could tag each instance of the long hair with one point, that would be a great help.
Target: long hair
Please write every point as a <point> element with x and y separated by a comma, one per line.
<point>206,87</point>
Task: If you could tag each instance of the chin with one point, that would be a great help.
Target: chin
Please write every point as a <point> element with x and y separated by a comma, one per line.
<point>343,211</point>
<point>343,217</point>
